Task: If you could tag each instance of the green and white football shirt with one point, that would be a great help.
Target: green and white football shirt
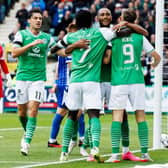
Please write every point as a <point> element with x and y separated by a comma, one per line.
<point>86,63</point>
<point>126,59</point>
<point>32,64</point>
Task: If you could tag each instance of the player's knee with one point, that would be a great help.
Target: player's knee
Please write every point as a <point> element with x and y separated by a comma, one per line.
<point>61,111</point>
<point>73,115</point>
<point>93,113</point>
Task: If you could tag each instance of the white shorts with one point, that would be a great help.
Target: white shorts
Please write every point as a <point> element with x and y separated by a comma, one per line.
<point>120,94</point>
<point>105,93</point>
<point>29,90</point>
<point>85,95</point>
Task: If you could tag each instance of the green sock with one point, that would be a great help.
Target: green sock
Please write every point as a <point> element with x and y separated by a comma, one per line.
<point>115,136</point>
<point>95,131</point>
<point>125,133</point>
<point>143,136</point>
<point>30,128</point>
<point>75,132</point>
<point>90,136</point>
<point>86,139</point>
<point>67,134</point>
<point>23,121</point>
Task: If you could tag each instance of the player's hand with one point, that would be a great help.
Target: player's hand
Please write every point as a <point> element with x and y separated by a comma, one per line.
<point>118,26</point>
<point>154,63</point>
<point>35,42</point>
<point>82,43</point>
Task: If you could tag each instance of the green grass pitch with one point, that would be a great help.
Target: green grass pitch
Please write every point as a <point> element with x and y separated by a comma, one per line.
<point>42,156</point>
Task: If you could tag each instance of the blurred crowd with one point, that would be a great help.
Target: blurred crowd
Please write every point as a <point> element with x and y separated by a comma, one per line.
<point>57,14</point>
<point>5,6</point>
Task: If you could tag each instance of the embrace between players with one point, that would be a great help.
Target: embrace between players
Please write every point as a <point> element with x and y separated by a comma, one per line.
<point>89,47</point>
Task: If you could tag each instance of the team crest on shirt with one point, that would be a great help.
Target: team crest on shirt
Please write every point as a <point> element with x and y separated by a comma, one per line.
<point>36,50</point>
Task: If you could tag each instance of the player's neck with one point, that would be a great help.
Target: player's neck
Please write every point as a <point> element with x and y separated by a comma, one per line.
<point>101,25</point>
<point>35,31</point>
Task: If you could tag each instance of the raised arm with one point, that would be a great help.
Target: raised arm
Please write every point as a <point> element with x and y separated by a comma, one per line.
<point>138,29</point>
<point>83,43</point>
<point>133,26</point>
<point>17,51</point>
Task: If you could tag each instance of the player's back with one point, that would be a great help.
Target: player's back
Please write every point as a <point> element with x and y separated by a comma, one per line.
<point>126,61</point>
<point>86,62</point>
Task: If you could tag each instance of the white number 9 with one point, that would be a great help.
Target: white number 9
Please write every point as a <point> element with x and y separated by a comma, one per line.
<point>129,52</point>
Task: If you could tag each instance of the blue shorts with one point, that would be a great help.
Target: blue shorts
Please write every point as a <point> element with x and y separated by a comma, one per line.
<point>61,93</point>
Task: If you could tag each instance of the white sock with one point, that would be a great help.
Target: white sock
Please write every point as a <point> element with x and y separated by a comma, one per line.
<point>115,155</point>
<point>125,149</point>
<point>52,140</point>
<point>81,138</point>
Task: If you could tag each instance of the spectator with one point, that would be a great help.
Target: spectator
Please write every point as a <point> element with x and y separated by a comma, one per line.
<point>66,20</point>
<point>80,4</point>
<point>22,16</point>
<point>39,4</point>
<point>46,23</point>
<point>93,11</point>
<point>57,12</point>
<point>117,13</point>
<point>166,33</point>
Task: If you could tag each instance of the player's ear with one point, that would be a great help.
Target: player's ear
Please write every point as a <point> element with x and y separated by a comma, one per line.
<point>28,21</point>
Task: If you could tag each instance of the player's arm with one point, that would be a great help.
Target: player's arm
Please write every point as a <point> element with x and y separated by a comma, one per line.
<point>17,51</point>
<point>156,59</point>
<point>107,55</point>
<point>137,29</point>
<point>18,48</point>
<point>133,26</point>
<point>83,43</point>
<point>59,47</point>
<point>149,49</point>
<point>63,49</point>
<point>58,50</point>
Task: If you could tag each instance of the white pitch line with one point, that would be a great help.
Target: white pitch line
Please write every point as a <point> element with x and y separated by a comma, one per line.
<point>19,162</point>
<point>50,163</point>
<point>13,129</point>
<point>58,162</point>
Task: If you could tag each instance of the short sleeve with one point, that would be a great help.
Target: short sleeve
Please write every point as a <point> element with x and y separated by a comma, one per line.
<point>107,33</point>
<point>18,40</point>
<point>147,47</point>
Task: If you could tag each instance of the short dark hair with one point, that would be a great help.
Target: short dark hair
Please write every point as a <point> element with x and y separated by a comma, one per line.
<point>34,10</point>
<point>129,15</point>
<point>83,19</point>
<point>72,27</point>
